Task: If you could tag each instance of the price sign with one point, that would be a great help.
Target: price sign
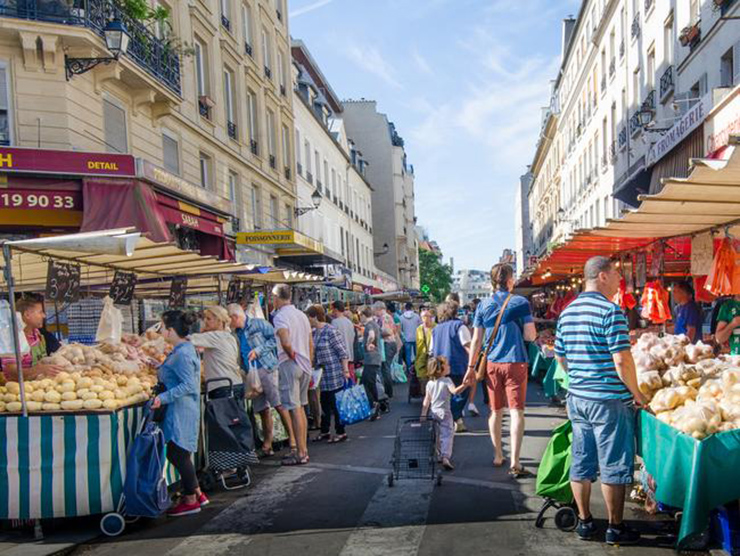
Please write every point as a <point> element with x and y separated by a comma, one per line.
<point>234,291</point>
<point>63,282</point>
<point>122,288</point>
<point>178,287</point>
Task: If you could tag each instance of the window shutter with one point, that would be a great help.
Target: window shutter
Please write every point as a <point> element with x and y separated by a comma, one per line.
<point>114,122</point>
<point>171,154</point>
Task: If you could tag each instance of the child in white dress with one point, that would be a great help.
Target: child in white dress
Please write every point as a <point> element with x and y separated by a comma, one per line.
<point>439,392</point>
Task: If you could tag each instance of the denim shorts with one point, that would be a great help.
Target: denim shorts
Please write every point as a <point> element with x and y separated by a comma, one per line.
<point>603,440</point>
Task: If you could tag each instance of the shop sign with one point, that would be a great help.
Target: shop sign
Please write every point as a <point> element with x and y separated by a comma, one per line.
<point>45,161</point>
<point>680,130</point>
<point>272,237</point>
<point>199,223</point>
<point>161,177</point>
<point>31,199</point>
<point>724,123</point>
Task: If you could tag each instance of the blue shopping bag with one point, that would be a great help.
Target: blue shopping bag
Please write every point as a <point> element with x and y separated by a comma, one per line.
<point>352,404</point>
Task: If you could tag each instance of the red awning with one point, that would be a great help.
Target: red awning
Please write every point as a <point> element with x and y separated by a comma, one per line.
<point>189,220</point>
<point>122,203</point>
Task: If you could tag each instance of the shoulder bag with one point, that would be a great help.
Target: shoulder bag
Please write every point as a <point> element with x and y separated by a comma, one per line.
<point>481,367</point>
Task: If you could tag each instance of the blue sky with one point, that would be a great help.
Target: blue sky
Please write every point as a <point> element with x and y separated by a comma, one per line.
<point>464,81</point>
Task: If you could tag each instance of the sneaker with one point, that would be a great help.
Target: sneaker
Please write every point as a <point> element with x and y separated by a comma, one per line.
<point>460,426</point>
<point>586,529</point>
<point>623,536</point>
<point>203,499</point>
<point>183,508</point>
<point>472,410</point>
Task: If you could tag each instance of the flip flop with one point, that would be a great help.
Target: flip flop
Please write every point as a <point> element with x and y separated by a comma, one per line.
<point>322,437</point>
<point>519,473</point>
<point>338,439</point>
<point>265,453</point>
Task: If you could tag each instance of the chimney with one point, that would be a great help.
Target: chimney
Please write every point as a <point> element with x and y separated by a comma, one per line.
<point>569,25</point>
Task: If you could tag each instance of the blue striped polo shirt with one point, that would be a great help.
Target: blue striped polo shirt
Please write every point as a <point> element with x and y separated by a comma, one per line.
<point>590,330</point>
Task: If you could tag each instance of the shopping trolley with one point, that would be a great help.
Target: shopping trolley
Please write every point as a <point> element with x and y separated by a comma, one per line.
<point>415,451</point>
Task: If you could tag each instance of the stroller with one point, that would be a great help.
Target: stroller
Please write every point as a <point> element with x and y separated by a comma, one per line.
<point>553,482</point>
<point>229,442</point>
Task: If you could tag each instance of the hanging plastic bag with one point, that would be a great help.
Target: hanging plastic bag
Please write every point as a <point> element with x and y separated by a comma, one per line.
<point>7,345</point>
<point>110,326</point>
<point>352,404</point>
<point>253,384</point>
<point>316,375</point>
<point>719,280</point>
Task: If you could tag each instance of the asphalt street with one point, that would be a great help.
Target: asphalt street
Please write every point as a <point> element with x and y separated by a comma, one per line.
<point>340,504</point>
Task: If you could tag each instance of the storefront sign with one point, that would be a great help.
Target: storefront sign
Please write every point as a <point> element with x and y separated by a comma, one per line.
<point>272,237</point>
<point>42,161</point>
<point>723,124</point>
<point>30,199</point>
<point>199,223</point>
<point>162,178</point>
<point>680,130</point>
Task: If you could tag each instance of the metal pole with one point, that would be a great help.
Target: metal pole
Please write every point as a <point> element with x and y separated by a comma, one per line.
<point>14,323</point>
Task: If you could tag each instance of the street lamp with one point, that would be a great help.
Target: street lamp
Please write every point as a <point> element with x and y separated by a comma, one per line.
<point>315,200</point>
<point>645,116</point>
<point>117,40</point>
<point>383,251</point>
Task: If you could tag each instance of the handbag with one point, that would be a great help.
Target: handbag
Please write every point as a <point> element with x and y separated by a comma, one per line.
<point>481,366</point>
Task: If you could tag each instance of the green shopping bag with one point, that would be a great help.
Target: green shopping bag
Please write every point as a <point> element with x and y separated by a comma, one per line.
<point>553,475</point>
<point>279,434</point>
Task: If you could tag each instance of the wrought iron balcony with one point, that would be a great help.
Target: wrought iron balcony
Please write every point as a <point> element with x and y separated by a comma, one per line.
<point>282,90</point>
<point>621,49</point>
<point>666,82</point>
<point>635,126</point>
<point>613,152</point>
<point>273,163</point>
<point>253,147</point>
<point>622,138</point>
<point>612,67</point>
<point>152,54</point>
<point>231,126</point>
<point>603,84</point>
<point>287,172</point>
<point>248,49</point>
<point>268,72</point>
<point>649,102</point>
<point>279,15</point>
<point>225,23</point>
<point>204,107</point>
<point>648,5</point>
<point>299,168</point>
<point>636,26</point>
<point>309,177</point>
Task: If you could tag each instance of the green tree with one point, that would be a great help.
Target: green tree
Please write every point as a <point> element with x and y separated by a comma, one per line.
<point>435,276</point>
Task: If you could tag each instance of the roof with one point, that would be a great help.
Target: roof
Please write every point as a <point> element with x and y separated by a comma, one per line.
<point>301,53</point>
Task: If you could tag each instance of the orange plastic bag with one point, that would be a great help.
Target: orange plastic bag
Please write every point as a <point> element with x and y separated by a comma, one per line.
<point>720,278</point>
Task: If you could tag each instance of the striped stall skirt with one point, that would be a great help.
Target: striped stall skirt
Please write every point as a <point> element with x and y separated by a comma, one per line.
<point>65,465</point>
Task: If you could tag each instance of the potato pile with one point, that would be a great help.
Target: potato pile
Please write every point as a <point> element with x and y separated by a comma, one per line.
<point>687,387</point>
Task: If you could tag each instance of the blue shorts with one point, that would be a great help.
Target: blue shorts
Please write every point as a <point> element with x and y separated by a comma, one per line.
<point>603,440</point>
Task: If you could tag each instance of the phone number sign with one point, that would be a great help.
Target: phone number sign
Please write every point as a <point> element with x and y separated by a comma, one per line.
<point>30,199</point>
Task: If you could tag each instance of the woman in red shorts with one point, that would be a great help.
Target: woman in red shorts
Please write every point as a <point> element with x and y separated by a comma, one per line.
<point>506,379</point>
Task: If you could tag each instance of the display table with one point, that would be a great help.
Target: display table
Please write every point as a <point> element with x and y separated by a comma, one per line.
<point>694,475</point>
<point>555,379</point>
<point>538,363</point>
<point>65,465</point>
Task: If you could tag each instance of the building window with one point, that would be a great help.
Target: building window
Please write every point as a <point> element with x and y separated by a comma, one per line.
<point>226,14</point>
<point>5,126</point>
<point>252,120</point>
<point>171,153</point>
<point>271,137</point>
<point>318,167</point>
<point>636,87</point>
<point>229,101</point>
<point>274,214</point>
<point>247,26</point>
<point>286,147</point>
<point>256,207</point>
<point>307,148</point>
<point>726,69</point>
<point>234,189</point>
<point>201,68</point>
<point>267,53</point>
<point>298,151</point>
<point>694,11</point>
<point>288,216</point>
<point>114,124</point>
<point>668,41</point>
<point>206,171</point>
<point>650,77</point>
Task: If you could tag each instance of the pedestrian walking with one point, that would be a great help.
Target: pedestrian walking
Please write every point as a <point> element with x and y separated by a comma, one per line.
<point>451,340</point>
<point>510,317</point>
<point>423,341</point>
<point>592,344</point>
<point>330,354</point>
<point>437,400</point>
<point>341,322</point>
<point>258,350</point>
<point>220,353</point>
<point>372,359</point>
<point>410,321</point>
<point>390,342</point>
<point>295,353</point>
<point>180,374</point>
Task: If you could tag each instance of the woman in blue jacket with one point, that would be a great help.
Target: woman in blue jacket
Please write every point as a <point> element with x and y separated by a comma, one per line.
<point>180,373</point>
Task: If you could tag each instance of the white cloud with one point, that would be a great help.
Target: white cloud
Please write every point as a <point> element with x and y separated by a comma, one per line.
<point>310,8</point>
<point>421,63</point>
<point>371,60</point>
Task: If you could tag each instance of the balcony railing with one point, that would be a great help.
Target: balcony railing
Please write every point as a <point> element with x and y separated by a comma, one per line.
<point>612,67</point>
<point>282,90</point>
<point>154,55</point>
<point>273,162</point>
<point>204,107</point>
<point>603,84</point>
<point>225,23</point>
<point>613,152</point>
<point>309,177</point>
<point>649,102</point>
<point>268,72</point>
<point>287,172</point>
<point>621,49</point>
<point>635,126</point>
<point>253,146</point>
<point>666,82</point>
<point>636,26</point>
<point>648,5</point>
<point>248,49</point>
<point>299,168</point>
<point>279,15</point>
<point>622,138</point>
<point>231,126</point>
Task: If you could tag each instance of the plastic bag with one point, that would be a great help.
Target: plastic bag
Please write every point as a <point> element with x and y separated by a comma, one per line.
<point>398,373</point>
<point>279,434</point>
<point>353,405</point>
<point>719,280</point>
<point>7,346</point>
<point>253,384</point>
<point>110,326</point>
<point>316,375</point>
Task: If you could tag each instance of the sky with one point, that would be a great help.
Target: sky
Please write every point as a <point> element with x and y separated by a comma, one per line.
<point>465,82</point>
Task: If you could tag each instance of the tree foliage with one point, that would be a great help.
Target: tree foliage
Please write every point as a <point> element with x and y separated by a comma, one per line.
<point>435,275</point>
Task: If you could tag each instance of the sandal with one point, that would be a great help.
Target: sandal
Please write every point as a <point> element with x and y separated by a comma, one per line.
<point>338,439</point>
<point>519,473</point>
<point>262,453</point>
<point>322,437</point>
<point>499,463</point>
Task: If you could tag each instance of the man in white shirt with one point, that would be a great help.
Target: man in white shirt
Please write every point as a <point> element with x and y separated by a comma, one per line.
<point>295,354</point>
<point>410,321</point>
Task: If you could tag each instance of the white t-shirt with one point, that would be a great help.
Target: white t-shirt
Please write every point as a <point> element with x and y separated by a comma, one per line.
<point>439,392</point>
<point>297,325</point>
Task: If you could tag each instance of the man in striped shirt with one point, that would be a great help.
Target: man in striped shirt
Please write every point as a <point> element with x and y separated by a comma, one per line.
<point>592,345</point>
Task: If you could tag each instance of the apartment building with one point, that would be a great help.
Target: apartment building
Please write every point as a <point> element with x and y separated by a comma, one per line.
<point>471,284</point>
<point>330,175</point>
<point>395,241</point>
<point>639,84</point>
<point>200,101</point>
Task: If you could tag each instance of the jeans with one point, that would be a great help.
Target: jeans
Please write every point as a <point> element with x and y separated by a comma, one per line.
<point>329,410</point>
<point>457,403</point>
<point>182,461</point>
<point>369,374</point>
<point>409,349</point>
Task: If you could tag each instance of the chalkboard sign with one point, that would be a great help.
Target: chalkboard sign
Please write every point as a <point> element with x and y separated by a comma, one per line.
<point>122,288</point>
<point>233,292</point>
<point>63,282</point>
<point>178,287</point>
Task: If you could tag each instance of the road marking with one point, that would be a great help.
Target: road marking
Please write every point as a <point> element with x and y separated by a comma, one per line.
<point>393,523</point>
